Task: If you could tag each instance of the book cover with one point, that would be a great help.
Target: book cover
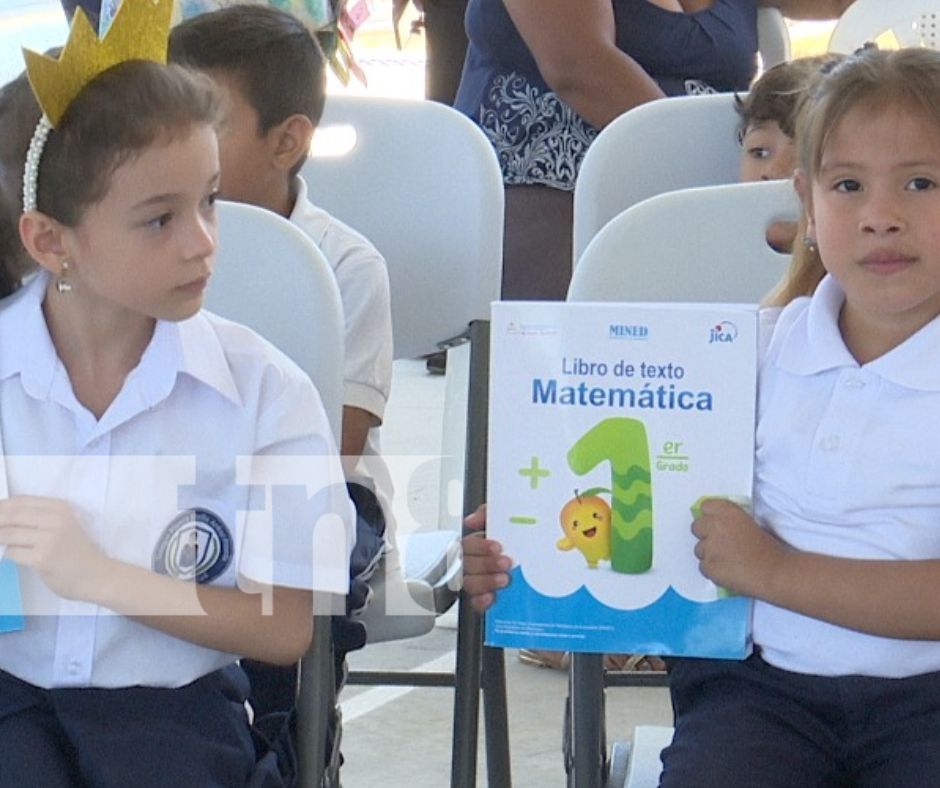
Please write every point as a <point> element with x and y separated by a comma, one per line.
<point>608,423</point>
<point>11,605</point>
<point>11,602</point>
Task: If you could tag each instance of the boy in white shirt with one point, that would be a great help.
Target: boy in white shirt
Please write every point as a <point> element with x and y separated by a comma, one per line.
<point>272,75</point>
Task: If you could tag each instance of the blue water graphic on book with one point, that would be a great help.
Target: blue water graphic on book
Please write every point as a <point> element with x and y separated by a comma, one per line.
<point>672,625</point>
<point>11,604</point>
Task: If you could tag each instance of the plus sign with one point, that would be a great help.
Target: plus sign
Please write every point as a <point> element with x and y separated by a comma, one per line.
<point>534,473</point>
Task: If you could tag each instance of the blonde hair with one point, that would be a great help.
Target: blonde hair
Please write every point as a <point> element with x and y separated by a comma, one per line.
<point>874,79</point>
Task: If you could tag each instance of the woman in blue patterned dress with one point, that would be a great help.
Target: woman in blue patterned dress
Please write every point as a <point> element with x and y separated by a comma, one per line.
<point>92,9</point>
<point>543,76</point>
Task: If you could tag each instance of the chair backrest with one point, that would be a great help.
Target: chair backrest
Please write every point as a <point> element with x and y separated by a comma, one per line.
<point>271,277</point>
<point>913,23</point>
<point>705,244</point>
<point>773,37</point>
<point>657,147</point>
<point>423,184</point>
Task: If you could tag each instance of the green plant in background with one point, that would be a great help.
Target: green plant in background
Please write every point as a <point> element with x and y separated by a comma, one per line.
<point>329,20</point>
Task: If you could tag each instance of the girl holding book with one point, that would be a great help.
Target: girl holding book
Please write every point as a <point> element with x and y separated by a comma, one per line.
<point>842,555</point>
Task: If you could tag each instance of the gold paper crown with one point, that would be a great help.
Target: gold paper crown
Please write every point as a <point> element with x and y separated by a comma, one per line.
<point>140,31</point>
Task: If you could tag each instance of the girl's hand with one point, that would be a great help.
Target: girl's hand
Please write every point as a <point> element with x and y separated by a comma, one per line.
<point>45,535</point>
<point>733,550</point>
<point>485,568</point>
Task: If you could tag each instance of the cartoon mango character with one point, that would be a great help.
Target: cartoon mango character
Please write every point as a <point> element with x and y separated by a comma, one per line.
<point>623,443</point>
<point>585,519</point>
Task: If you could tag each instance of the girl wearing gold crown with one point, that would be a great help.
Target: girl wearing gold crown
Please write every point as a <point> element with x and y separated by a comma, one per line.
<point>148,559</point>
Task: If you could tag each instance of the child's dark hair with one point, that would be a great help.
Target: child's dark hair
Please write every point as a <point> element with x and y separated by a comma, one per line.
<point>11,254</point>
<point>274,57</point>
<point>777,94</point>
<point>116,116</point>
<point>18,117</point>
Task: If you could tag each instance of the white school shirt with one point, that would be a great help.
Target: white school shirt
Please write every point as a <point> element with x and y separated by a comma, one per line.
<point>846,466</point>
<point>362,277</point>
<point>165,479</point>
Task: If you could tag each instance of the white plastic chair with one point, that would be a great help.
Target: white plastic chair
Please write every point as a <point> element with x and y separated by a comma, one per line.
<point>773,37</point>
<point>271,277</point>
<point>913,23</point>
<point>706,244</point>
<point>647,742</point>
<point>423,184</point>
<point>661,146</point>
<point>702,244</point>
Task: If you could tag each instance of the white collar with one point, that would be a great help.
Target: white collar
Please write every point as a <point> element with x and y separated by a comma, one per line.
<point>190,347</point>
<point>814,343</point>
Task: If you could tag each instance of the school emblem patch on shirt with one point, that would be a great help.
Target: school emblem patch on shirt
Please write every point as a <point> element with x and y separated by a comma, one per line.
<point>196,545</point>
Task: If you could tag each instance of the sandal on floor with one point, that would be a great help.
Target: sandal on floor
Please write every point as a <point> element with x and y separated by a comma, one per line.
<point>556,660</point>
<point>636,663</point>
<point>560,660</point>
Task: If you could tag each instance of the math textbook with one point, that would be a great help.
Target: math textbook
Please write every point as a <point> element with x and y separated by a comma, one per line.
<point>608,424</point>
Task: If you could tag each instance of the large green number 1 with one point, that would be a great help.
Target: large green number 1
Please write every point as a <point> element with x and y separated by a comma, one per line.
<point>623,443</point>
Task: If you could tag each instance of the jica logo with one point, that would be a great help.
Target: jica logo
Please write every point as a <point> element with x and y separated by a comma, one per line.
<point>725,331</point>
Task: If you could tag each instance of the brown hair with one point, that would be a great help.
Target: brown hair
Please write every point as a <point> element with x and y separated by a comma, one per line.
<point>777,94</point>
<point>12,256</point>
<point>876,79</point>
<point>116,116</point>
<point>273,56</point>
<point>18,117</point>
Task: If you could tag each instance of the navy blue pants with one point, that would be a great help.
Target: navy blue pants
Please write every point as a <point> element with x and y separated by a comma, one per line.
<point>195,736</point>
<point>750,725</point>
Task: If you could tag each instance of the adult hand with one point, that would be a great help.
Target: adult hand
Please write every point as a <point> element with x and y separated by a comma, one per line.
<point>733,550</point>
<point>398,11</point>
<point>485,568</point>
<point>45,535</point>
<point>575,48</point>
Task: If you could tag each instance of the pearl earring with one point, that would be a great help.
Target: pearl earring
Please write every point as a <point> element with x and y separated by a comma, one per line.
<point>63,284</point>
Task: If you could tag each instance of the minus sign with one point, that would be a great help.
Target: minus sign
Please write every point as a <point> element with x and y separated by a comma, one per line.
<point>523,520</point>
